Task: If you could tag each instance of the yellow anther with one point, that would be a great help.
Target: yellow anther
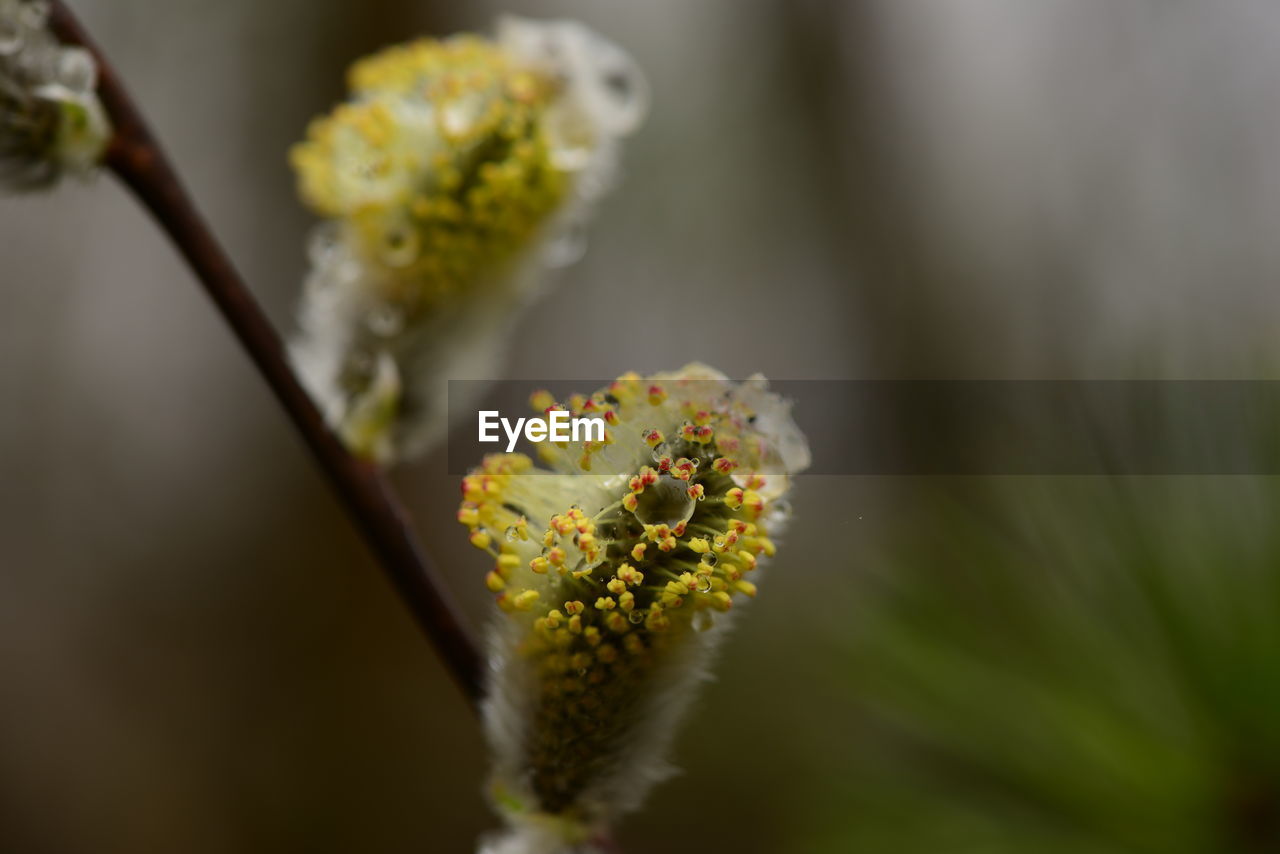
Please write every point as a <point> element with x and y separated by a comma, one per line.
<point>606,603</point>
<point>525,600</point>
<point>494,582</point>
<point>733,498</point>
<point>574,607</point>
<point>541,400</point>
<point>766,546</point>
<point>656,621</point>
<point>630,574</point>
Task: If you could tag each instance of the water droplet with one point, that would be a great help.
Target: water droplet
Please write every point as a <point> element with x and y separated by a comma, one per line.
<point>702,620</point>
<point>666,502</point>
<point>512,534</point>
<point>636,617</point>
<point>704,584</point>
<point>782,507</point>
<point>385,320</point>
<point>661,450</point>
<point>710,559</point>
<point>582,671</point>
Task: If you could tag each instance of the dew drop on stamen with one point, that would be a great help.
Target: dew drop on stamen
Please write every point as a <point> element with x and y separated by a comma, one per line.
<point>636,617</point>
<point>666,502</point>
<point>702,620</point>
<point>710,559</point>
<point>704,584</point>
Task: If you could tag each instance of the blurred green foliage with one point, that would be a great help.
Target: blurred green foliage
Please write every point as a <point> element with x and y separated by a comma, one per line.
<point>1065,665</point>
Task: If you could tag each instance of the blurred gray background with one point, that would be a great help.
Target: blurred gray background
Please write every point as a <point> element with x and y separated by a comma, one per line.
<point>197,653</point>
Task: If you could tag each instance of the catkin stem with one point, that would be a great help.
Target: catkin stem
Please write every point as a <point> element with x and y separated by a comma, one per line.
<point>138,160</point>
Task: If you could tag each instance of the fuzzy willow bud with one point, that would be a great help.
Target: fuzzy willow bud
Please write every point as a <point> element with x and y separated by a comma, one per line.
<point>457,169</point>
<point>616,569</point>
<point>51,122</point>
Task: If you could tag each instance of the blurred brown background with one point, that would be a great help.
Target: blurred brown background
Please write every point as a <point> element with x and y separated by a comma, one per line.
<point>197,653</point>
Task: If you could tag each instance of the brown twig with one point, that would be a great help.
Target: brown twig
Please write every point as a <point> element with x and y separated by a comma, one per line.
<point>138,160</point>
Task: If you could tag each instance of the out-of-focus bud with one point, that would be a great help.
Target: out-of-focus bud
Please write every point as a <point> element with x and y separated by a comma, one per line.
<point>457,170</point>
<point>51,122</point>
